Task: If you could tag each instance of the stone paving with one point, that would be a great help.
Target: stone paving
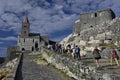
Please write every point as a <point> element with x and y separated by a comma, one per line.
<point>31,71</point>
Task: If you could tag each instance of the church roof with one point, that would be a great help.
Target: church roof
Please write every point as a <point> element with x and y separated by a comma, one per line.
<point>34,34</point>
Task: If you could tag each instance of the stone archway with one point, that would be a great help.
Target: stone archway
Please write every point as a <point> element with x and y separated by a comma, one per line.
<point>36,46</point>
<point>23,49</point>
<point>32,48</point>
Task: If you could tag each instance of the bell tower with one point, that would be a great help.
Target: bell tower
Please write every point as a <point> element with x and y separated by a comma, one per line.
<point>25,27</point>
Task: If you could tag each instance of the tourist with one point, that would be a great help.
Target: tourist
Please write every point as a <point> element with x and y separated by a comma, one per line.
<point>77,51</point>
<point>114,56</point>
<point>68,48</point>
<point>49,46</point>
<point>97,56</point>
<point>62,48</point>
<point>73,51</point>
<point>59,48</point>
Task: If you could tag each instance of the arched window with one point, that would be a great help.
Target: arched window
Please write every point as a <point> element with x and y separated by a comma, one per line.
<point>24,32</point>
<point>24,40</point>
<point>25,26</point>
<point>32,48</point>
<point>36,45</point>
<point>23,49</point>
<point>91,26</point>
<point>33,40</point>
<point>95,14</point>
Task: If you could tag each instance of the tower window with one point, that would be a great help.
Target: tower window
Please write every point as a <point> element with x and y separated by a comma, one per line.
<point>19,40</point>
<point>24,40</point>
<point>25,26</point>
<point>24,32</point>
<point>33,40</point>
<point>95,14</point>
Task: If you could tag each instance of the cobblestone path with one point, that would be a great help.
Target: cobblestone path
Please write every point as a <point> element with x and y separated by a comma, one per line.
<point>31,71</point>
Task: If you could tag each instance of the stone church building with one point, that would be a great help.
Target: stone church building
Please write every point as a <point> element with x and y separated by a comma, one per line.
<point>30,41</point>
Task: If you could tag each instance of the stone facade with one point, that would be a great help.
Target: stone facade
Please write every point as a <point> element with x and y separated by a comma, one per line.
<point>90,19</point>
<point>11,53</point>
<point>96,23</point>
<point>30,41</point>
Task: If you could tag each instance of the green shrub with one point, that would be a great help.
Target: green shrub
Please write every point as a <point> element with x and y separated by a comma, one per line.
<point>48,52</point>
<point>111,45</point>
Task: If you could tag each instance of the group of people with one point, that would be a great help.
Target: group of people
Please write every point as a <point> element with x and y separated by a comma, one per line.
<point>97,56</point>
<point>74,51</point>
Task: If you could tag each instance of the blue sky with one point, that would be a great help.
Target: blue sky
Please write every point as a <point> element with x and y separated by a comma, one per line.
<point>52,17</point>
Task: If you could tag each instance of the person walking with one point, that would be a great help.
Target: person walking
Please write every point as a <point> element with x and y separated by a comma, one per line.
<point>114,57</point>
<point>73,51</point>
<point>62,48</point>
<point>77,51</point>
<point>97,56</point>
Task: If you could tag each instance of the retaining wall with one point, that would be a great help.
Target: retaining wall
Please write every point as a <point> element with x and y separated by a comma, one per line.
<point>75,68</point>
<point>14,73</point>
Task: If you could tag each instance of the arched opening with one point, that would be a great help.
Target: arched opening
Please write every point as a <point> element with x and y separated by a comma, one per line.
<point>36,46</point>
<point>91,26</point>
<point>24,40</point>
<point>23,49</point>
<point>95,14</point>
<point>32,48</point>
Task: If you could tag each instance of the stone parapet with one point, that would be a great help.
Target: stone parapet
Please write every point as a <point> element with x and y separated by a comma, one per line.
<point>14,70</point>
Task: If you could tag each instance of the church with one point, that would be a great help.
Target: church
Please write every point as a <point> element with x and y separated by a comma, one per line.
<point>30,41</point>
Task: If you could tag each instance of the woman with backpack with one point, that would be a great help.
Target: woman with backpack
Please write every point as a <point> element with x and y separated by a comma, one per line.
<point>114,57</point>
<point>96,55</point>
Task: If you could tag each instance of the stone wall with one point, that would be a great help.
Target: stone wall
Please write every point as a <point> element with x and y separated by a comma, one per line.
<point>91,26</point>
<point>94,23</point>
<point>105,27</point>
<point>45,39</point>
<point>28,43</point>
<point>75,68</point>
<point>92,18</point>
<point>2,59</point>
<point>14,73</point>
<point>11,53</point>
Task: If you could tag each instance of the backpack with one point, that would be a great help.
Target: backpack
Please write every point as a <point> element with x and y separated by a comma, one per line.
<point>96,53</point>
<point>76,50</point>
<point>115,53</point>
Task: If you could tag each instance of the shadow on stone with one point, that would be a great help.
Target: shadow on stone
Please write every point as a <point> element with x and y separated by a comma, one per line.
<point>19,71</point>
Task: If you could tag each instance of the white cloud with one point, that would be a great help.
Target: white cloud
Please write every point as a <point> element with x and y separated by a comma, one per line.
<point>46,17</point>
<point>10,17</point>
<point>11,38</point>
